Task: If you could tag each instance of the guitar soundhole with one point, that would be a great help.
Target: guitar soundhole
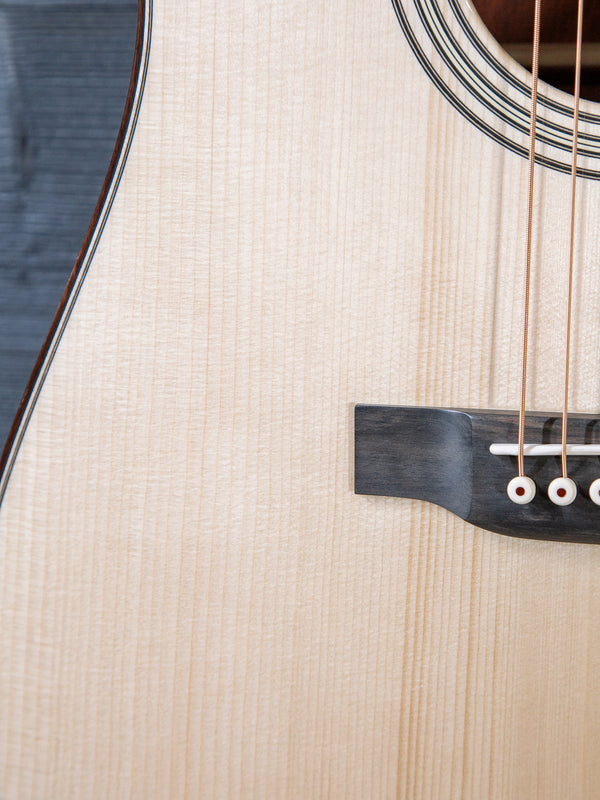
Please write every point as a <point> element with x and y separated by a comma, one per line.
<point>492,90</point>
<point>511,24</point>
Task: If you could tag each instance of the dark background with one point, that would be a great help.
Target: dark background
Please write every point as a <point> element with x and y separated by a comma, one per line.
<point>64,75</point>
<point>511,21</point>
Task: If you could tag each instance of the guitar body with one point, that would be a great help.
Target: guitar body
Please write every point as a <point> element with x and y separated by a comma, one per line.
<point>193,601</point>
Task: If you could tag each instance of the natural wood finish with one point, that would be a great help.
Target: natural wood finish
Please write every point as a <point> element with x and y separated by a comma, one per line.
<point>193,602</point>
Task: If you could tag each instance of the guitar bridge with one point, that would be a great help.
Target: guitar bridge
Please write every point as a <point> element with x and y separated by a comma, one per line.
<point>457,459</point>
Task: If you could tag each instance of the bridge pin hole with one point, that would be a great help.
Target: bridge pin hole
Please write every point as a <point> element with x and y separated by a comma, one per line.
<point>562,491</point>
<point>521,490</point>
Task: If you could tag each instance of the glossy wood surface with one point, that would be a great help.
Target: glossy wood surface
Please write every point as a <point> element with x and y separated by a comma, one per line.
<point>193,601</point>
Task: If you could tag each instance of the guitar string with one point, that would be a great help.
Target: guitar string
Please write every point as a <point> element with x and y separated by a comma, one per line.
<point>527,277</point>
<point>576,94</point>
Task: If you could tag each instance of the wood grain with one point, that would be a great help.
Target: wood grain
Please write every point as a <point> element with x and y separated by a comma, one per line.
<point>193,602</point>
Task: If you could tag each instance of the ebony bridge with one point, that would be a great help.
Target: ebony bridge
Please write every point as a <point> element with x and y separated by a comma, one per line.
<point>443,456</point>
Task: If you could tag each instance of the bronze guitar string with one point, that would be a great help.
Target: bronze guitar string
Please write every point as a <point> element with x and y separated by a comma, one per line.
<point>576,94</point>
<point>527,276</point>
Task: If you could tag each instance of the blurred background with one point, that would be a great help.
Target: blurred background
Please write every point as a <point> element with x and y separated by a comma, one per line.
<point>64,75</point>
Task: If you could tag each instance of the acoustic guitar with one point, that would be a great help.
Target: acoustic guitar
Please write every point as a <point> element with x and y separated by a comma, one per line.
<point>315,211</point>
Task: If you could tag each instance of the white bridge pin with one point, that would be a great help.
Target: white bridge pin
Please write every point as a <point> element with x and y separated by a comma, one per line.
<point>562,491</point>
<point>521,489</point>
<point>594,491</point>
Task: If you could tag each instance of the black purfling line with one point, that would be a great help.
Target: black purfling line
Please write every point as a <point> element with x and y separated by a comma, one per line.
<point>465,112</point>
<point>509,77</point>
<point>63,313</point>
<point>492,90</point>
